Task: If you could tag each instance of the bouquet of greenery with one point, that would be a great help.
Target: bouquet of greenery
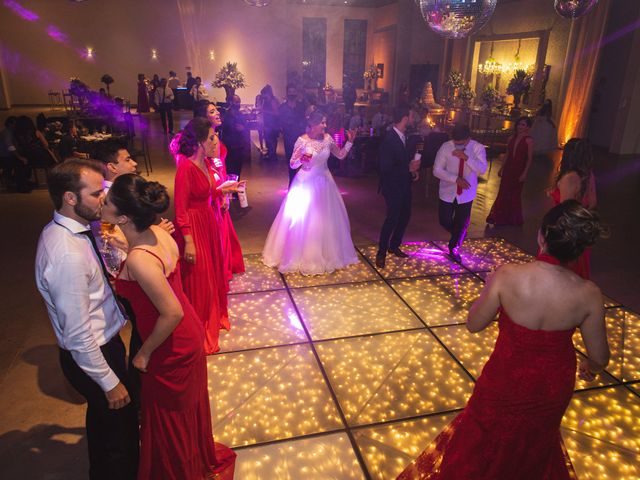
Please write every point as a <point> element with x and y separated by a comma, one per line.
<point>371,72</point>
<point>519,85</point>
<point>454,80</point>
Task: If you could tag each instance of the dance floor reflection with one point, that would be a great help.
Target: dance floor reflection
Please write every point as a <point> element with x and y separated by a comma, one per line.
<point>351,375</point>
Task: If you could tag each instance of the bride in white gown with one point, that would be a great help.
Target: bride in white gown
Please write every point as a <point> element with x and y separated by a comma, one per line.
<point>311,233</point>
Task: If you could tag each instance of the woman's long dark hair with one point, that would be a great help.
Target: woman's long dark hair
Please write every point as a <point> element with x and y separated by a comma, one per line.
<point>577,157</point>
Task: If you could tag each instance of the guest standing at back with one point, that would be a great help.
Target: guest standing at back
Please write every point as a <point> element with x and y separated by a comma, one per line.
<point>164,104</point>
<point>507,208</point>
<point>458,164</point>
<point>510,427</point>
<point>397,171</point>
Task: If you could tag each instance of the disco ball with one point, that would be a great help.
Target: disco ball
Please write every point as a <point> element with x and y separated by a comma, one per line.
<point>257,3</point>
<point>573,8</point>
<point>456,18</point>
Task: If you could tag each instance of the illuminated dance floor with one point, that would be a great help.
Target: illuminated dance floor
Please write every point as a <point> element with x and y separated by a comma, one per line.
<point>351,375</point>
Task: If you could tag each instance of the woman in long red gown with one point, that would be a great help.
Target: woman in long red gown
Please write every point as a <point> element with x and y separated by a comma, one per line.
<point>507,208</point>
<point>576,181</point>
<point>198,222</point>
<point>143,94</point>
<point>510,428</point>
<point>231,248</point>
<point>176,435</point>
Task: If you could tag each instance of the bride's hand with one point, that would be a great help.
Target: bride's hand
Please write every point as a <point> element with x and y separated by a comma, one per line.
<point>351,134</point>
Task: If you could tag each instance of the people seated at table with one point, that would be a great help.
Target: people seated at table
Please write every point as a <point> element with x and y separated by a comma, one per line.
<point>69,144</point>
<point>381,120</point>
<point>31,144</point>
<point>15,168</point>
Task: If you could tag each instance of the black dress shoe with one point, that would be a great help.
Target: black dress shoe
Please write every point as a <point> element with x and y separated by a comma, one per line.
<point>398,253</point>
<point>455,256</point>
<point>380,261</point>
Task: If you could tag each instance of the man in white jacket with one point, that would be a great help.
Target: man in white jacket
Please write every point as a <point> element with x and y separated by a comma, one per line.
<point>458,164</point>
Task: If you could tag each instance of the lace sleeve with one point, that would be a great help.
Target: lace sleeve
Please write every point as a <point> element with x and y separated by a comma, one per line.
<point>298,150</point>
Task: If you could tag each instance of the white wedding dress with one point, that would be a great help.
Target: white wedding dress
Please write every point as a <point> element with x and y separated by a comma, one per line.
<point>311,233</point>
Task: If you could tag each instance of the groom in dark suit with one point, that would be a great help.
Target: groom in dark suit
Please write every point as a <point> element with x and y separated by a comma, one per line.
<point>397,171</point>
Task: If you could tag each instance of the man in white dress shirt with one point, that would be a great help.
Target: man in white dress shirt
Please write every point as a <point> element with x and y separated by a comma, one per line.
<point>87,319</point>
<point>458,164</point>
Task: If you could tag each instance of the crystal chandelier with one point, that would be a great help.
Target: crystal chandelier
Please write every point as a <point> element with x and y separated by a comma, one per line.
<point>573,8</point>
<point>517,64</point>
<point>456,18</point>
<point>490,66</point>
<point>257,3</point>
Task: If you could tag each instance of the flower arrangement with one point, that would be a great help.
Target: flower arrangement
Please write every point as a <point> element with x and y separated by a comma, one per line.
<point>107,80</point>
<point>328,87</point>
<point>454,80</point>
<point>229,76</point>
<point>519,85</point>
<point>466,94</point>
<point>490,96</point>
<point>371,73</point>
<point>77,87</point>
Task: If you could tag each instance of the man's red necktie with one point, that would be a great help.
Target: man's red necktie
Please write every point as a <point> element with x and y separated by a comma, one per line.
<point>460,175</point>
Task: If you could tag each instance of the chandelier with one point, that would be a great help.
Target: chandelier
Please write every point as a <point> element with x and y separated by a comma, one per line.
<point>573,8</point>
<point>257,3</point>
<point>456,18</point>
<point>490,66</point>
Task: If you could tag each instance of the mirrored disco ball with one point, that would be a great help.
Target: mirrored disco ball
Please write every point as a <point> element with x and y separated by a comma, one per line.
<point>257,3</point>
<point>456,18</point>
<point>573,8</point>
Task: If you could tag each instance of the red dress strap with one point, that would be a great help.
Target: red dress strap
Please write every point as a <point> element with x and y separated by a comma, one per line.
<point>151,253</point>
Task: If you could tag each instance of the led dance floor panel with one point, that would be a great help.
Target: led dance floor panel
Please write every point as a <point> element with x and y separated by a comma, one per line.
<point>351,375</point>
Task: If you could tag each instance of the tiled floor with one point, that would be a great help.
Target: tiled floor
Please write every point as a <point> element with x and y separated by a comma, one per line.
<point>351,375</point>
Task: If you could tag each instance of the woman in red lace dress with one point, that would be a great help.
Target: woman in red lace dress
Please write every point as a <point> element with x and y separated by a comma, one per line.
<point>176,436</point>
<point>510,428</point>
<point>575,181</point>
<point>198,228</point>
<point>507,209</point>
<point>231,248</point>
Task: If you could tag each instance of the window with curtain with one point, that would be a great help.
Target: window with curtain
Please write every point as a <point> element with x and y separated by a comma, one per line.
<point>314,52</point>
<point>355,50</point>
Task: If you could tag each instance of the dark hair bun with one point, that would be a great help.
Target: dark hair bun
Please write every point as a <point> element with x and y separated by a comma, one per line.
<point>568,229</point>
<point>154,195</point>
<point>138,199</point>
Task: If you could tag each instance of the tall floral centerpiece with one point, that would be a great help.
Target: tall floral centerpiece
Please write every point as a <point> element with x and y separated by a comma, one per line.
<point>518,86</point>
<point>229,78</point>
<point>453,83</point>
<point>371,76</point>
<point>107,80</point>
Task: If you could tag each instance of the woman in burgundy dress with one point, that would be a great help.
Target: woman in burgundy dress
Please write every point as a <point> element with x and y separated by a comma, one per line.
<point>176,435</point>
<point>231,249</point>
<point>143,94</point>
<point>198,232</point>
<point>510,428</point>
<point>575,181</point>
<point>507,209</point>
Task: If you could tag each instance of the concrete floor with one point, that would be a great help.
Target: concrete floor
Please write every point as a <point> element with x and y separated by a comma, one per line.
<point>41,434</point>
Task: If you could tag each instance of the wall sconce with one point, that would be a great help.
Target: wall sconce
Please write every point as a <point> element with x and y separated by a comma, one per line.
<point>154,54</point>
<point>306,63</point>
<point>89,52</point>
<point>212,55</point>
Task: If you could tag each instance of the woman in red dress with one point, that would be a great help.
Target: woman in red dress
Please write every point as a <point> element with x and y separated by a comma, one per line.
<point>231,249</point>
<point>507,209</point>
<point>510,428</point>
<point>576,181</point>
<point>198,222</point>
<point>176,435</point>
<point>143,94</point>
